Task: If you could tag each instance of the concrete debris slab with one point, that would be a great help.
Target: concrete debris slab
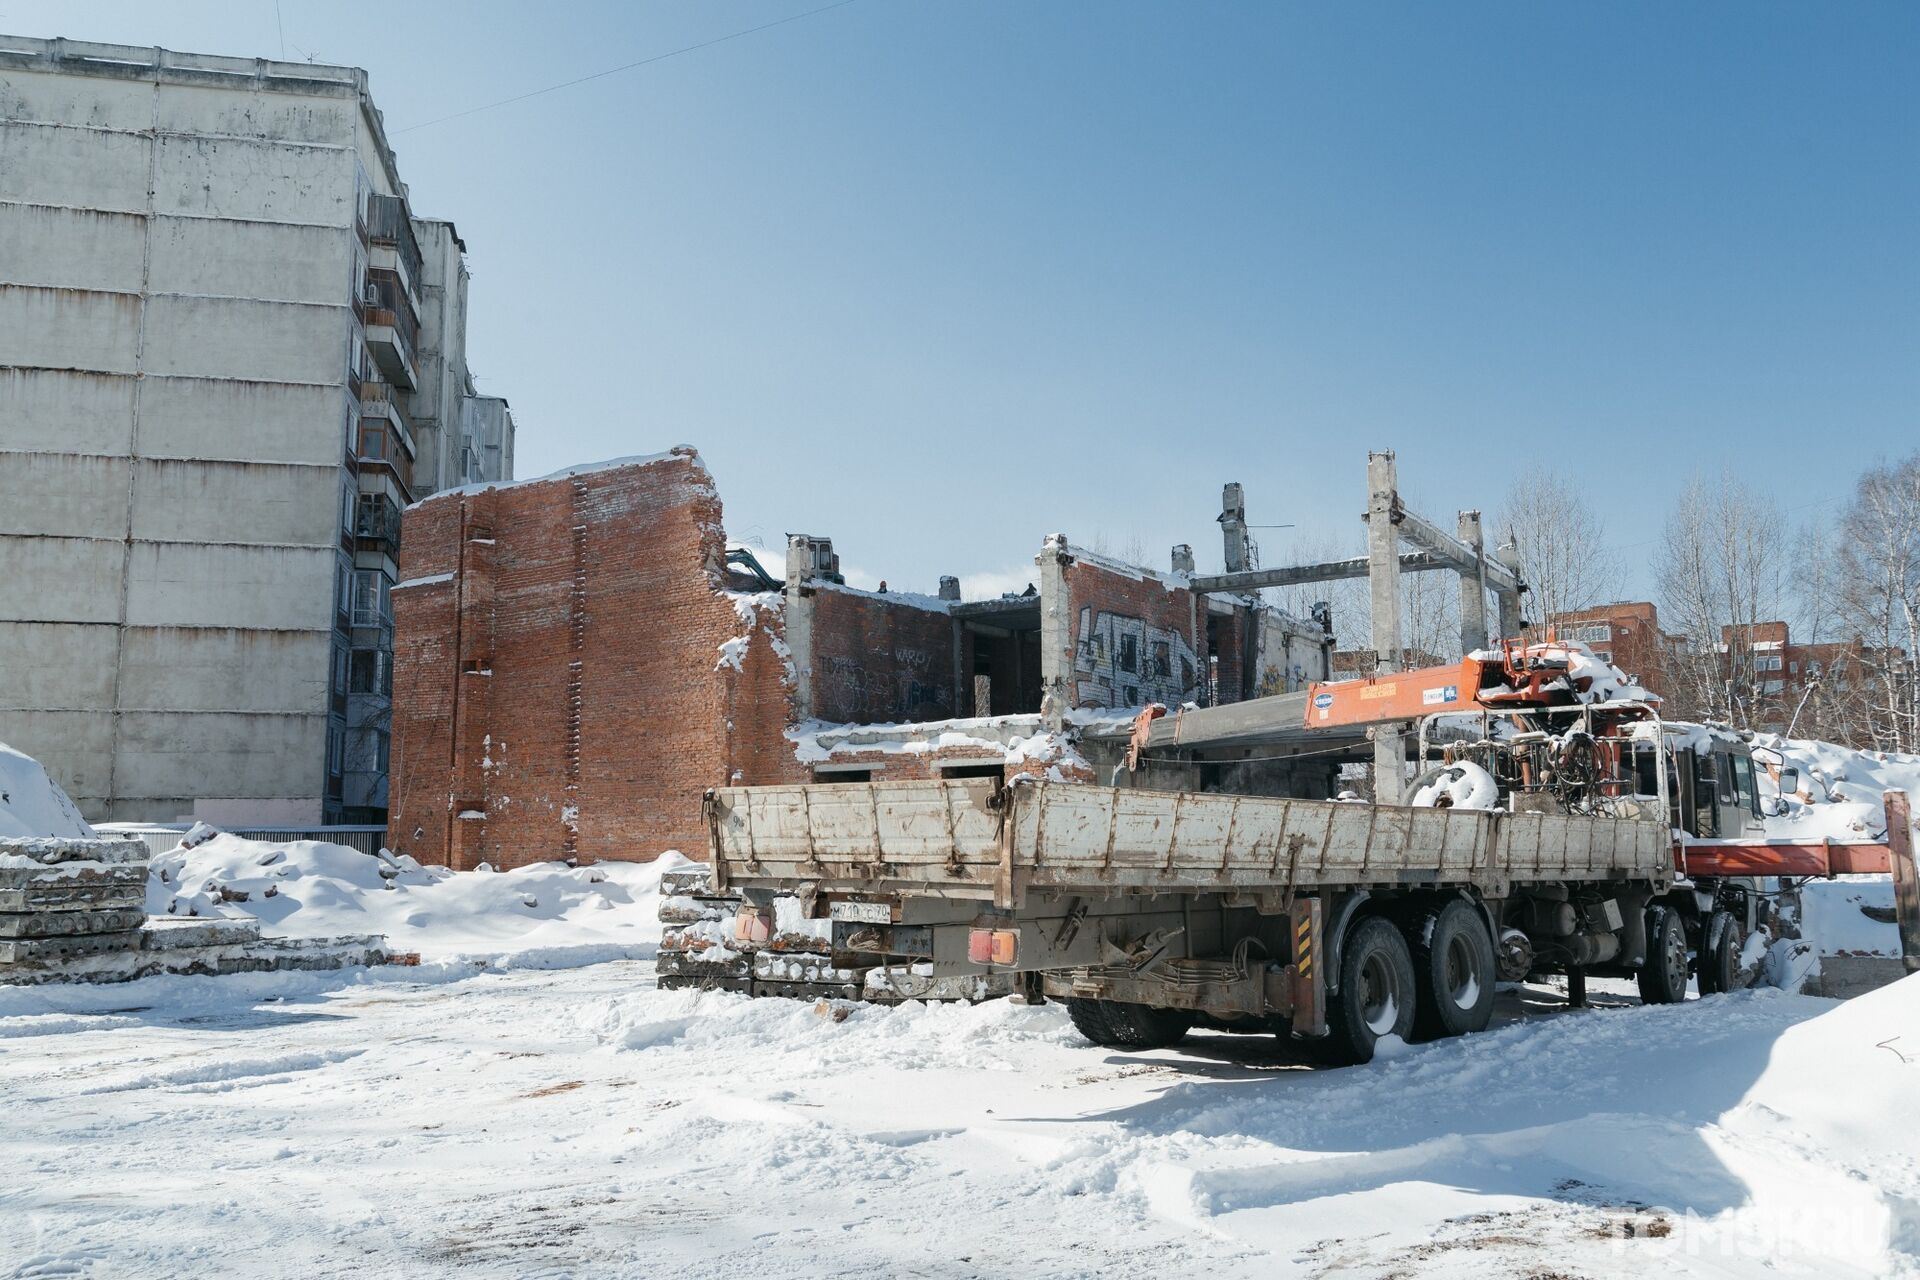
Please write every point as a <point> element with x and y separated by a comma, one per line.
<point>63,924</point>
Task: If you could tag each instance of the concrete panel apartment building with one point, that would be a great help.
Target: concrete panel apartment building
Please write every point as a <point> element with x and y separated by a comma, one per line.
<point>229,358</point>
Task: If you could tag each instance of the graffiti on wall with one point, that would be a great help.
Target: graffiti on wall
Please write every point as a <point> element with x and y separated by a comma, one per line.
<point>905,689</point>
<point>1121,661</point>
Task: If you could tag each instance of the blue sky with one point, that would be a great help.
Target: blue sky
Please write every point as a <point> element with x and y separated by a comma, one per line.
<point>939,279</point>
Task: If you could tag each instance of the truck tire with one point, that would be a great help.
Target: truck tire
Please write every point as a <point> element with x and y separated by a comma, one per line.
<point>1453,971</point>
<point>1663,978</point>
<point>1115,1025</point>
<point>1377,993</point>
<point>1719,962</point>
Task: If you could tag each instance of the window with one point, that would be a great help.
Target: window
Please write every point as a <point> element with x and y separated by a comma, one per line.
<point>1129,654</point>
<point>1587,633</point>
<point>1744,784</point>
<point>342,585</point>
<point>1772,686</point>
<point>381,753</point>
<point>1767,662</point>
<point>373,442</point>
<point>1162,659</point>
<point>339,673</point>
<point>336,752</point>
<point>372,672</point>
<point>372,605</point>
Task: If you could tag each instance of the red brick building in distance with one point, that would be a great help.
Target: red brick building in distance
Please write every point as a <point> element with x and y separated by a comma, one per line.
<point>1626,633</point>
<point>577,659</point>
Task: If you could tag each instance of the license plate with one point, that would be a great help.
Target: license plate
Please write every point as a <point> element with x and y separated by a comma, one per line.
<point>862,912</point>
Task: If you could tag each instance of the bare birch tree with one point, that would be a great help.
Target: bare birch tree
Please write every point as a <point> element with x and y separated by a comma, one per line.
<point>1878,596</point>
<point>1561,540</point>
<point>1720,567</point>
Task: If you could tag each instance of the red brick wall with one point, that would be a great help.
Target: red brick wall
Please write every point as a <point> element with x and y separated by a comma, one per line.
<point>596,609</point>
<point>1119,619</point>
<point>879,661</point>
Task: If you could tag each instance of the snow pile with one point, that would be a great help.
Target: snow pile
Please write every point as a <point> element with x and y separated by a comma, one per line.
<point>1850,916</point>
<point>1002,739</point>
<point>1839,793</point>
<point>33,804</point>
<point>544,915</point>
<point>1458,786</point>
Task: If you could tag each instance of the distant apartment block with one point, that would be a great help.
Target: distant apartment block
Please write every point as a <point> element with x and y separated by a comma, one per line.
<point>229,357</point>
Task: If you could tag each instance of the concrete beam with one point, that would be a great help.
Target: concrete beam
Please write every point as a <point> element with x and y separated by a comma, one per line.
<point>1293,575</point>
<point>1453,552</point>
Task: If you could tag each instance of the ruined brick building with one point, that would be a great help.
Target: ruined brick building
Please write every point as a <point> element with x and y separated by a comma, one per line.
<point>578,658</point>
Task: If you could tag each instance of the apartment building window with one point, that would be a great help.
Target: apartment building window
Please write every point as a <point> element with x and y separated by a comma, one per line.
<point>372,603</point>
<point>342,585</point>
<point>1587,633</point>
<point>372,673</point>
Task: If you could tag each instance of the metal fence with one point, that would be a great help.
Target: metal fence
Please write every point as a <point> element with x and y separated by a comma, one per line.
<point>161,837</point>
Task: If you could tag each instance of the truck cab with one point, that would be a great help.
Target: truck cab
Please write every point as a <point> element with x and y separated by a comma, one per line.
<point>1718,797</point>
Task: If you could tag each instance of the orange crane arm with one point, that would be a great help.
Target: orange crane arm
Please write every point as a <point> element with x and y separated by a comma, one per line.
<point>1401,695</point>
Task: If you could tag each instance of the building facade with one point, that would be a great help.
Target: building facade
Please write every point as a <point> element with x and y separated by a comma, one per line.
<point>229,357</point>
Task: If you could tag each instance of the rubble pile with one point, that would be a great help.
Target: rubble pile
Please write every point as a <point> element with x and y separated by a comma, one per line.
<point>62,898</point>
<point>702,948</point>
<point>74,909</point>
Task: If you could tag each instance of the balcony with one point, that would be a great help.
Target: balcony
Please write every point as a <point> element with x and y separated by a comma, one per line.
<point>376,524</point>
<point>393,330</point>
<point>389,226</point>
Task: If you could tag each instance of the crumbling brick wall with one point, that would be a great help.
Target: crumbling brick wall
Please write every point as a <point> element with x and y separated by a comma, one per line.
<point>878,660</point>
<point>560,683</point>
<point>1136,637</point>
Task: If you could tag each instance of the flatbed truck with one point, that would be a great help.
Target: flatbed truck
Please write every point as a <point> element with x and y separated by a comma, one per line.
<point>1619,848</point>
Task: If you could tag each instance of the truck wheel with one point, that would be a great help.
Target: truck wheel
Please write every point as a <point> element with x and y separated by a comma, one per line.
<point>1453,971</point>
<point>1719,962</point>
<point>1115,1025</point>
<point>1663,978</point>
<point>1376,996</point>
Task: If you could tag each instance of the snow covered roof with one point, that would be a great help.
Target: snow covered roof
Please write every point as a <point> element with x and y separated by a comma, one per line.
<point>581,469</point>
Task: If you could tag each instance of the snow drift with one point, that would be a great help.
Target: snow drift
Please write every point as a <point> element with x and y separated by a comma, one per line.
<point>32,803</point>
<point>547,914</point>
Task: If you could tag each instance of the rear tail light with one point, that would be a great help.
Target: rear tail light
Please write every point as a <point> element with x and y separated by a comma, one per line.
<point>993,946</point>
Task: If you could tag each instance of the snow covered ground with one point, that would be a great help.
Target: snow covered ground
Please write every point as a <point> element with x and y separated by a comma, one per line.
<point>579,1122</point>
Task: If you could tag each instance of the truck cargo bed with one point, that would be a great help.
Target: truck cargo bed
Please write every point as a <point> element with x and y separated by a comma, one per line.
<point>978,839</point>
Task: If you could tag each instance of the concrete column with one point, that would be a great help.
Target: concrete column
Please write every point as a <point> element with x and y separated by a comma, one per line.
<point>1233,529</point>
<point>1183,558</point>
<point>1056,632</point>
<point>1509,601</point>
<point>1383,581</point>
<point>1473,587</point>
<point>949,588</point>
<point>798,613</point>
